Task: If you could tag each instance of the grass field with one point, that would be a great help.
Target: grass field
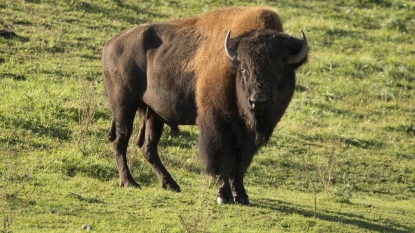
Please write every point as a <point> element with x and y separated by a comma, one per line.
<point>341,160</point>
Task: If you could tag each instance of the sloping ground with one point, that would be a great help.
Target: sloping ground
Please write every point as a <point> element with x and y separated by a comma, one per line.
<point>341,159</point>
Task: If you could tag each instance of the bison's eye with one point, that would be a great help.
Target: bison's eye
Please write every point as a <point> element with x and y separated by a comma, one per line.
<point>280,69</point>
<point>243,70</point>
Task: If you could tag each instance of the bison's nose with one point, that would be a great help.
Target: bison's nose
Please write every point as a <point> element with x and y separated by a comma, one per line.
<point>258,103</point>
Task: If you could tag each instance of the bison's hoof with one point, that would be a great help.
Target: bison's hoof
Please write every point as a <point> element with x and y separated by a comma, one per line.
<point>241,200</point>
<point>172,186</point>
<point>129,184</point>
<point>222,200</point>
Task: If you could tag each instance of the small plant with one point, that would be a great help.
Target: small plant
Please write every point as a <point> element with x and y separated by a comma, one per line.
<point>344,192</point>
<point>311,183</point>
<point>7,221</point>
<point>86,112</point>
<point>325,171</point>
<point>198,221</point>
<point>12,186</point>
<point>395,23</point>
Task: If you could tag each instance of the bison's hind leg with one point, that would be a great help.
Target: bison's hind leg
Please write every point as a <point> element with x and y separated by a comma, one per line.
<point>150,133</point>
<point>174,131</point>
<point>119,147</point>
<point>123,113</point>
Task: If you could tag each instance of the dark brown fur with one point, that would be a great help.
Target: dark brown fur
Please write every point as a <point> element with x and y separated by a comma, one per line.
<point>177,73</point>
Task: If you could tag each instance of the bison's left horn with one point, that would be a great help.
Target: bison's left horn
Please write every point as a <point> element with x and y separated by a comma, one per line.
<point>230,53</point>
<point>296,58</point>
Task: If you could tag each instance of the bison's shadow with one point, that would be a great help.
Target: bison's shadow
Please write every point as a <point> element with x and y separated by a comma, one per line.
<point>13,36</point>
<point>16,77</point>
<point>326,215</point>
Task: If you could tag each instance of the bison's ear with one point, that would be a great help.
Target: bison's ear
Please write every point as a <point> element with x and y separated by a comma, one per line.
<point>301,54</point>
<point>232,55</point>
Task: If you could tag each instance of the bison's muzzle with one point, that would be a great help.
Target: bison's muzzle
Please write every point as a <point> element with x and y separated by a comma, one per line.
<point>258,104</point>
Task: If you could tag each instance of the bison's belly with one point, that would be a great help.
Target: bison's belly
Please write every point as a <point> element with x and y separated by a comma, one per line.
<point>172,107</point>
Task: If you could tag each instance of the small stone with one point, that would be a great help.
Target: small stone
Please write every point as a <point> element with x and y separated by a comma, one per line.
<point>350,11</point>
<point>86,227</point>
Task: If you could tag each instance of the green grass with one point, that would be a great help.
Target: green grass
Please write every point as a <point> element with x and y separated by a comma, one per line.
<point>341,160</point>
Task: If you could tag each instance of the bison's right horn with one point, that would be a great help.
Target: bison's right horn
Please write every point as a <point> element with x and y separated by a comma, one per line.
<point>296,58</point>
<point>232,55</point>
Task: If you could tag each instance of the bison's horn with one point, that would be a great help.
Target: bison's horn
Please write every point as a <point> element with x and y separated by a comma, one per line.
<point>296,58</point>
<point>230,53</point>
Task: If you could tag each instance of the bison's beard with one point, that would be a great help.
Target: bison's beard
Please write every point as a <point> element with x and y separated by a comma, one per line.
<point>260,128</point>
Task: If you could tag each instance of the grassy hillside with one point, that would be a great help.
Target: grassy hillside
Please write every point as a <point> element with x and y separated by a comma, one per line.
<point>341,160</point>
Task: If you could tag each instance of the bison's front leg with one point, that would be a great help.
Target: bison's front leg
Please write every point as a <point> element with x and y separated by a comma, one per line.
<point>238,190</point>
<point>224,190</point>
<point>220,155</point>
<point>231,191</point>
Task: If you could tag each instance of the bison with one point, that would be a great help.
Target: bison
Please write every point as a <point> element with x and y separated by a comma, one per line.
<point>229,71</point>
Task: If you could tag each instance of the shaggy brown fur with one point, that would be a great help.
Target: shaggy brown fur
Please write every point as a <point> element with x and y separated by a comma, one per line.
<point>210,64</point>
<point>178,73</point>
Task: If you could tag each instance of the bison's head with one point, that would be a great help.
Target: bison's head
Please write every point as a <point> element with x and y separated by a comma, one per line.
<point>264,63</point>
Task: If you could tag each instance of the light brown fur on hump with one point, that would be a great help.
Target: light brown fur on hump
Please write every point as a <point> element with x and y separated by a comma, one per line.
<point>237,19</point>
<point>214,79</point>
